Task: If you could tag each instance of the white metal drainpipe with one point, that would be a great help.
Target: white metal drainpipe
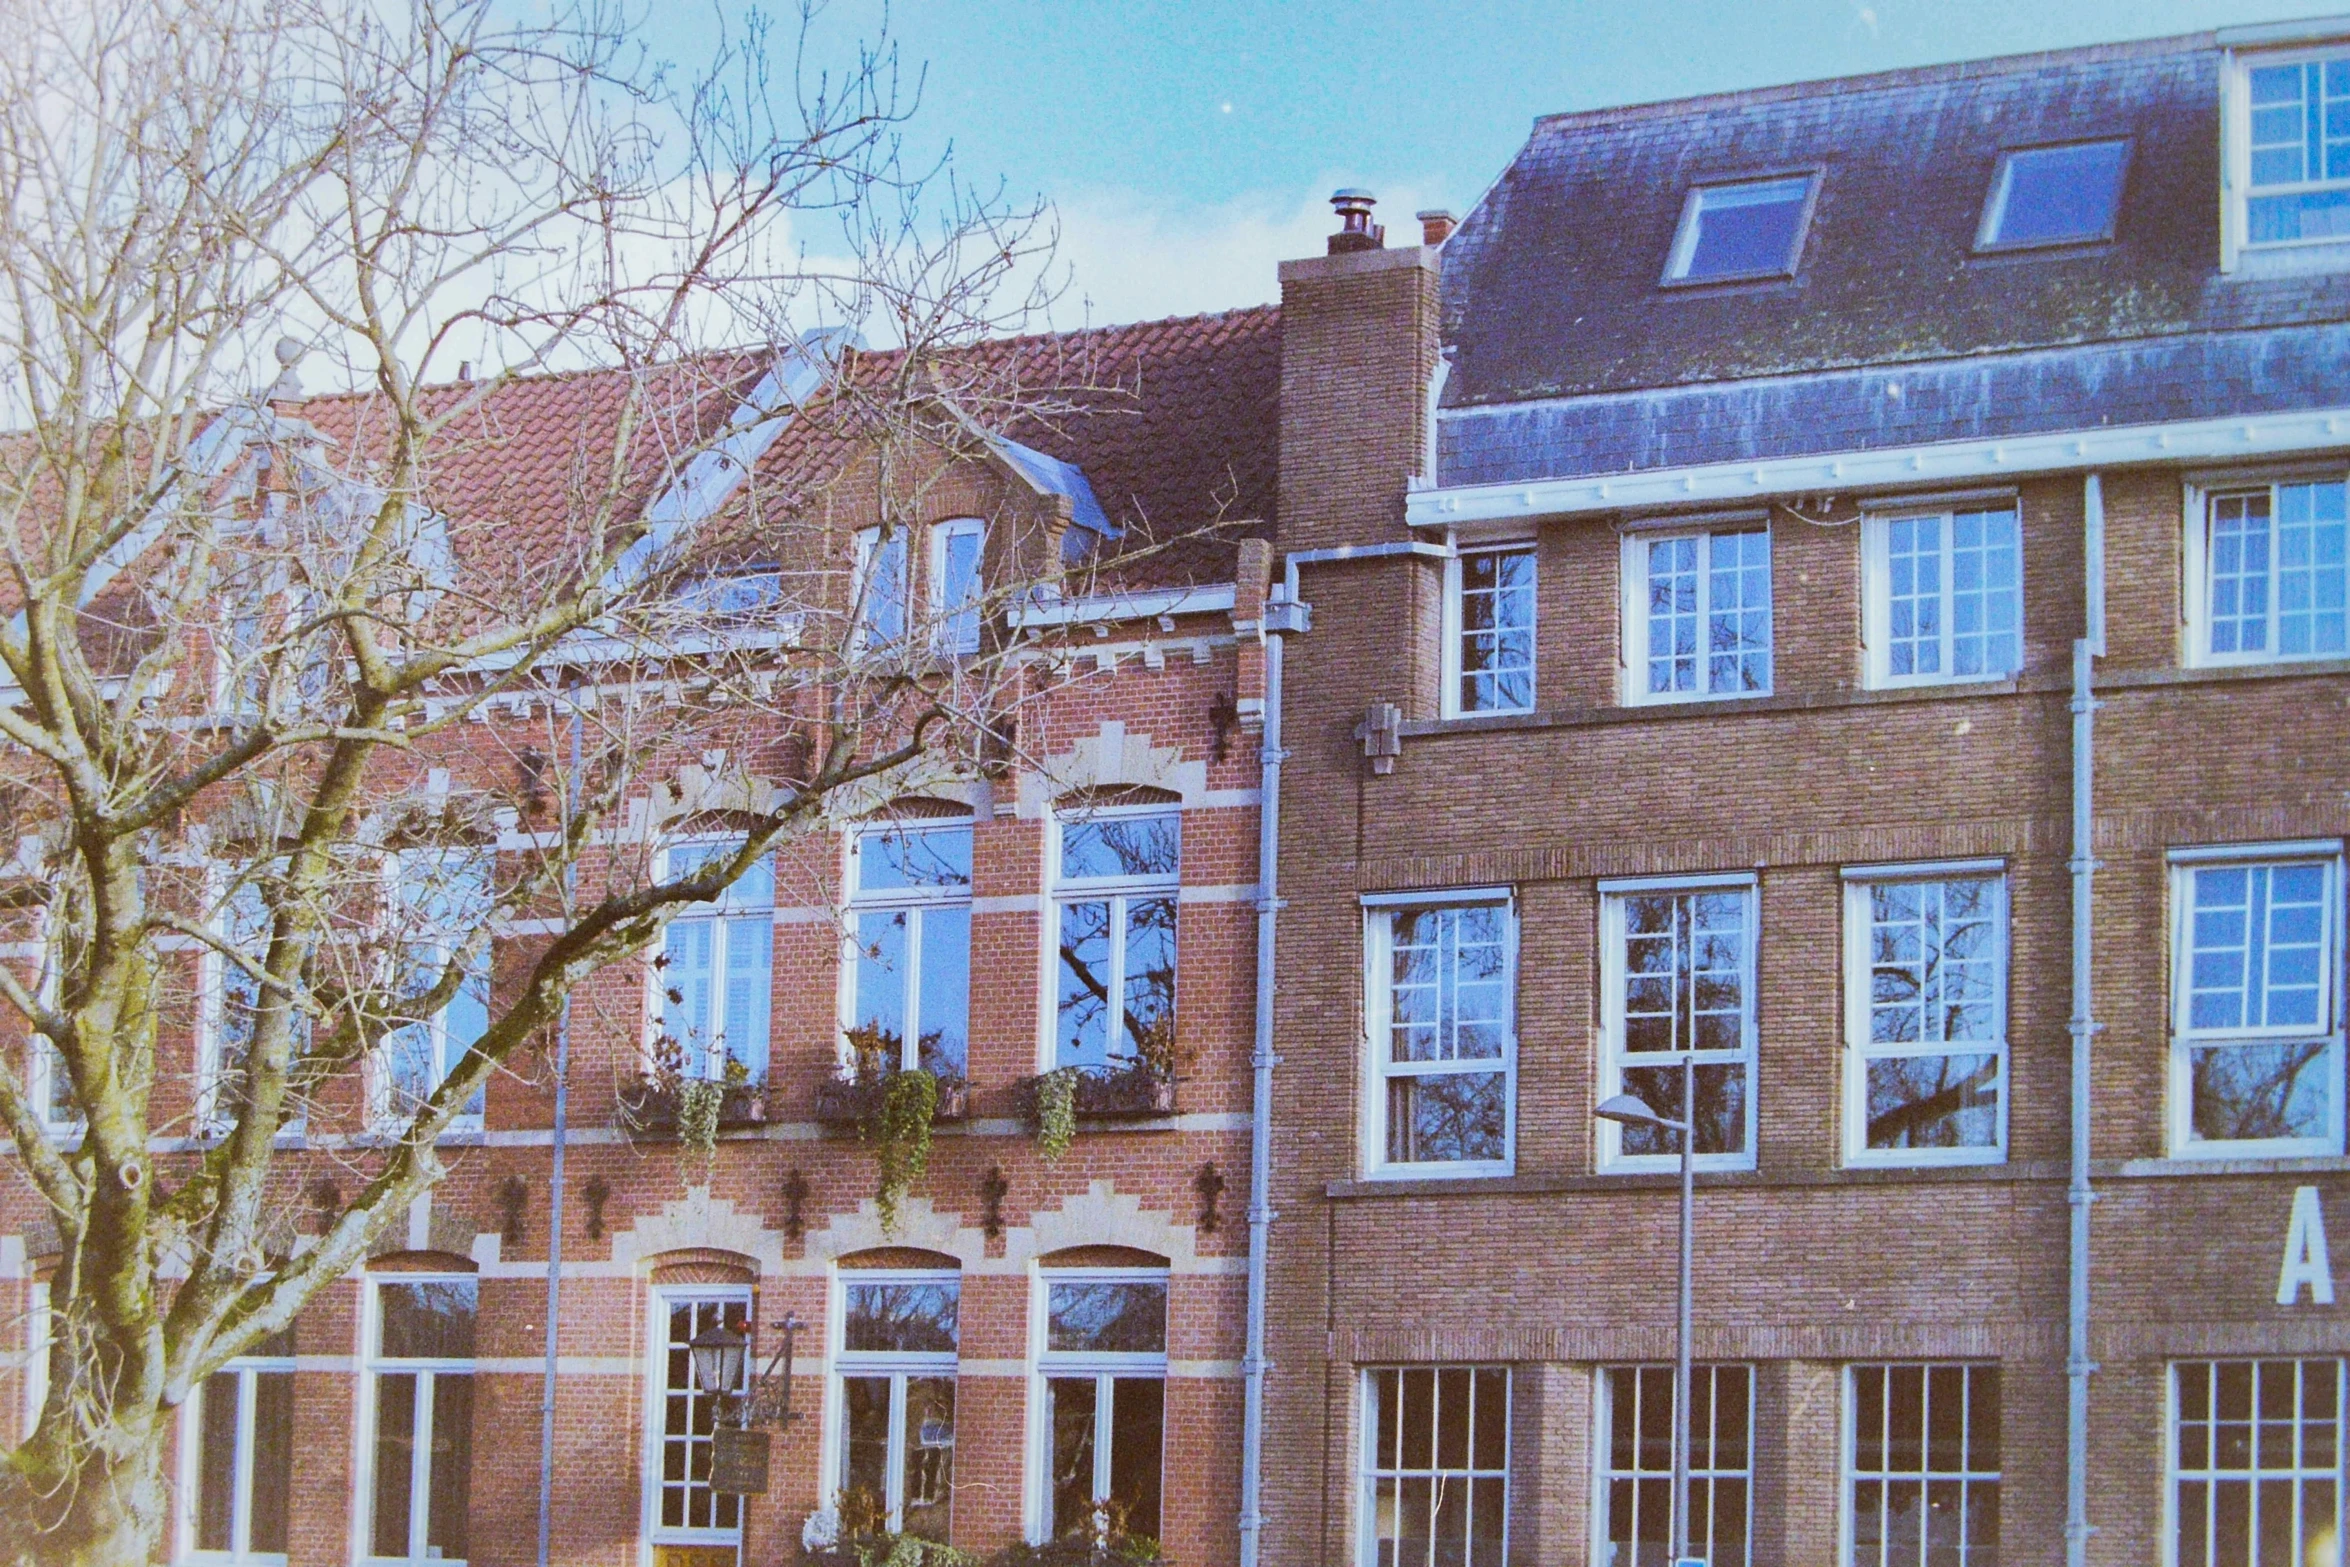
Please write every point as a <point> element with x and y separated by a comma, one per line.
<point>555,1208</point>
<point>1285,615</point>
<point>2077,1364</point>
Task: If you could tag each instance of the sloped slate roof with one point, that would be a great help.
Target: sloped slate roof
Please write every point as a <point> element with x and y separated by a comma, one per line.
<point>1570,358</point>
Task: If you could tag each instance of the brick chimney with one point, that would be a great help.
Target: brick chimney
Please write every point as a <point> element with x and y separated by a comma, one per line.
<point>1436,225</point>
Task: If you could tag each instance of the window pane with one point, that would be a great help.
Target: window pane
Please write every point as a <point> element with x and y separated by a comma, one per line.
<point>930,1455</point>
<point>1638,1465</point>
<point>906,1318</point>
<point>2246,1498</point>
<point>1450,997</point>
<point>960,589</point>
<point>216,1469</point>
<point>882,592</point>
<point>430,1319</point>
<point>1986,594</point>
<point>1913,565</point>
<point>750,987</point>
<point>1122,1317</point>
<point>2239,570</point>
<point>878,1034</point>
<point>1721,1109</point>
<point>1438,1478</point>
<point>2057,194</point>
<point>1743,230</point>
<point>1738,620</point>
<point>452,1464</point>
<point>864,1500</point>
<point>689,947</point>
<point>1082,1036</point>
<point>1148,1020</point>
<point>395,1454</point>
<point>2311,581</point>
<point>273,1459</point>
<point>1672,615</point>
<point>1447,1117</point>
<point>1073,1405</point>
<point>945,1040</point>
<point>1497,631</point>
<point>2261,1091</point>
<point>1138,1412</point>
<point>1925,1475</point>
<point>1933,1102</point>
<point>1124,847</point>
<point>893,859</point>
<point>688,1417</point>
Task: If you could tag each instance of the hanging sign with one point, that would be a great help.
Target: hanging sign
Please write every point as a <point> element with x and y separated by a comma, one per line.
<point>738,1462</point>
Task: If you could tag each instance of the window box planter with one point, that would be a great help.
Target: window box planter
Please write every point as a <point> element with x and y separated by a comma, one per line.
<point>1130,1094</point>
<point>849,1102</point>
<point>648,1108</point>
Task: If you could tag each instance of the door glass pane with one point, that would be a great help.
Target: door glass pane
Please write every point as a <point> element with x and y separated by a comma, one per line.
<point>1137,1441</point>
<point>864,1493</point>
<point>452,1464</point>
<point>395,1452</point>
<point>1072,1403</point>
<point>930,1455</point>
<point>273,1458</point>
<point>216,1471</point>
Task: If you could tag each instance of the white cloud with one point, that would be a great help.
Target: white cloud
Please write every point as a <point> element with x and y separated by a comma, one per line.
<point>1131,258</point>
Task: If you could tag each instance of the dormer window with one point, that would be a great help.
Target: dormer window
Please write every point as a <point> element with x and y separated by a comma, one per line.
<point>1741,231</point>
<point>2298,190</point>
<point>2054,196</point>
<point>733,595</point>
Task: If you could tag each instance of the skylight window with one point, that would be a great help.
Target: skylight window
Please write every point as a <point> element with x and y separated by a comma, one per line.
<point>2054,196</point>
<point>1752,229</point>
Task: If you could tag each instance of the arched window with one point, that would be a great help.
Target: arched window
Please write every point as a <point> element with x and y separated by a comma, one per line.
<point>1116,879</point>
<point>894,1387</point>
<point>1102,1369</point>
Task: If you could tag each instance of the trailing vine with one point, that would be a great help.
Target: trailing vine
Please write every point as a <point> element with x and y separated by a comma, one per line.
<point>1056,1113</point>
<point>899,1129</point>
<point>700,1103</point>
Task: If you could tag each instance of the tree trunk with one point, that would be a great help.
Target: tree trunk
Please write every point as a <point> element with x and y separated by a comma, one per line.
<point>107,1510</point>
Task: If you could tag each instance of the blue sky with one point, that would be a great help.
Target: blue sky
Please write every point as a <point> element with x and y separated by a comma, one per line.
<point>1190,144</point>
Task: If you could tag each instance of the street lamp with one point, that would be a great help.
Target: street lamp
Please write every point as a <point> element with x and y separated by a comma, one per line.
<point>1625,1110</point>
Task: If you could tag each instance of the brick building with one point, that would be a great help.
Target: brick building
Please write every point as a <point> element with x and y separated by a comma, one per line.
<point>1709,548</point>
<point>1026,1341</point>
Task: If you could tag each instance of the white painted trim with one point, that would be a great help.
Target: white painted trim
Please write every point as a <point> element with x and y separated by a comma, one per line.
<point>1397,900</point>
<point>2185,440</point>
<point>1925,870</point>
<point>1449,660</point>
<point>1876,556</point>
<point>1609,1156</point>
<point>1690,883</point>
<point>2284,849</point>
<point>1378,1014</point>
<point>1206,599</point>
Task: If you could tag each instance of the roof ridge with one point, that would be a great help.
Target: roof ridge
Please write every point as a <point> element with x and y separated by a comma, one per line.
<point>1881,81</point>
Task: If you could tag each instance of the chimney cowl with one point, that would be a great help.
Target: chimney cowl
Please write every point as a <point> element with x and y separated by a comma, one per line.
<point>1356,231</point>
<point>1436,225</point>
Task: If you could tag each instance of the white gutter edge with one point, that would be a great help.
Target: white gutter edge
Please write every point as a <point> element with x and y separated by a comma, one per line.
<point>1212,598</point>
<point>2188,440</point>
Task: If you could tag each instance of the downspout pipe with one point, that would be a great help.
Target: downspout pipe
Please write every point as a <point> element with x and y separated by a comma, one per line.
<point>555,1209</point>
<point>2083,1027</point>
<point>1286,615</point>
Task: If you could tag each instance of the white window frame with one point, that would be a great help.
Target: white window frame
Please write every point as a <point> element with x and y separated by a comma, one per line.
<point>1119,892</point>
<point>1635,612</point>
<point>1603,1470</point>
<point>1877,595</point>
<point>1859,1051</point>
<point>37,1330</point>
<point>1455,629</point>
<point>950,638</point>
<point>1379,915</point>
<point>1685,232</point>
<point>1369,1472</point>
<point>44,1067</point>
<point>1987,240</point>
<point>212,1116</point>
<point>1614,1059</point>
<point>1103,1367</point>
<point>897,1366</point>
<point>2183,863</point>
<point>2236,156</point>
<point>428,1372</point>
<point>662,1299</point>
<point>1849,1447</point>
<point>865,589</point>
<point>191,1459</point>
<point>2196,560</point>
<point>2175,1472</point>
<point>387,1115</point>
<point>731,904</point>
<point>915,902</point>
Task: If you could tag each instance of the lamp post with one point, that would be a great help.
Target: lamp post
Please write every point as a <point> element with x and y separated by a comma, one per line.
<point>1625,1110</point>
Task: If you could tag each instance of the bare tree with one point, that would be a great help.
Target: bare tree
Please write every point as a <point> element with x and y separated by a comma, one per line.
<point>251,634</point>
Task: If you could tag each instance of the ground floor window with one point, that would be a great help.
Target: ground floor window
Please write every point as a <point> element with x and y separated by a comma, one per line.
<point>2256,1462</point>
<point>1436,1465</point>
<point>1104,1366</point>
<point>242,1469</point>
<point>1922,1483</point>
<point>897,1402</point>
<point>686,1511</point>
<point>422,1370</point>
<point>1636,1452</point>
